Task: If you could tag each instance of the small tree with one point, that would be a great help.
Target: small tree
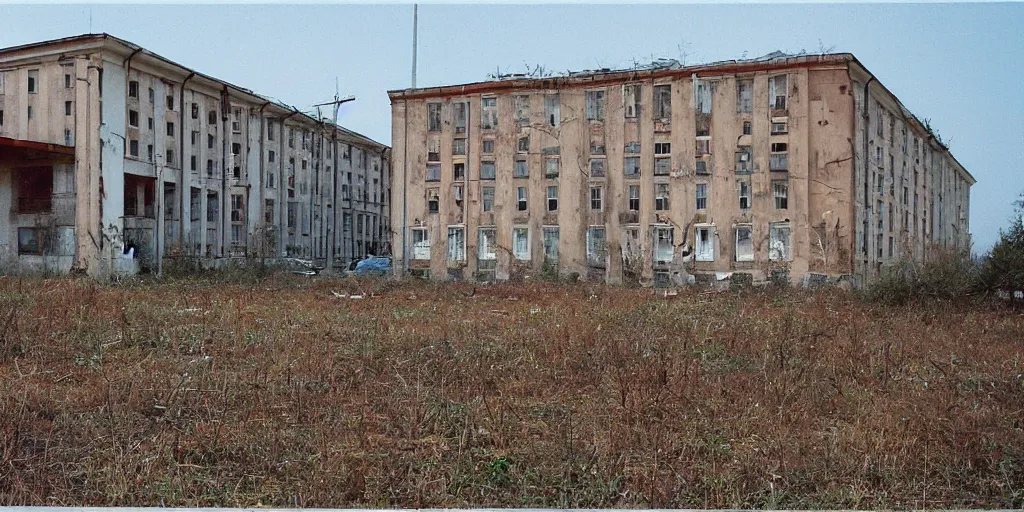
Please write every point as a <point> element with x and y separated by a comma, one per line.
<point>1003,268</point>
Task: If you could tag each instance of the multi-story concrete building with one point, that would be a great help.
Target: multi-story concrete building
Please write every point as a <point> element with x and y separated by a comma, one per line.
<point>778,166</point>
<point>106,147</point>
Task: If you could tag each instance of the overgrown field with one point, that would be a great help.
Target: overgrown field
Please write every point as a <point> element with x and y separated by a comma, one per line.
<point>421,395</point>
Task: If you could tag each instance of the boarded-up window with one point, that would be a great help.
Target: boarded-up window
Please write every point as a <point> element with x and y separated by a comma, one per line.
<point>744,96</point>
<point>595,105</point>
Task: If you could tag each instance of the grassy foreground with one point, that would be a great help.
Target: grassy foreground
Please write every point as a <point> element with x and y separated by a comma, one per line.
<point>421,395</point>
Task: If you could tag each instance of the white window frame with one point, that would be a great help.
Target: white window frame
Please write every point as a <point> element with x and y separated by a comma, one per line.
<point>600,198</point>
<point>421,247</point>
<point>698,196</point>
<point>749,256</point>
<point>662,254</point>
<point>485,251</point>
<point>704,250</point>
<point>522,199</point>
<point>547,205</point>
<point>774,229</point>
<point>523,231</point>
<point>744,186</point>
<point>457,252</point>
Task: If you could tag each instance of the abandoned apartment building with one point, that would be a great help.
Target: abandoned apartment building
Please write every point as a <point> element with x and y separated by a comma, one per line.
<point>115,159</point>
<point>781,167</point>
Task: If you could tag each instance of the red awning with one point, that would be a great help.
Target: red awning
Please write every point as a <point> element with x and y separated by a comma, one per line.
<point>27,153</point>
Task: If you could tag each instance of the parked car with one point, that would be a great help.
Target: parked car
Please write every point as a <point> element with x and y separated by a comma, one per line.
<point>372,266</point>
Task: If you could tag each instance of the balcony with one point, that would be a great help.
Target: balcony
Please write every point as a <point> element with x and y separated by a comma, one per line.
<point>778,162</point>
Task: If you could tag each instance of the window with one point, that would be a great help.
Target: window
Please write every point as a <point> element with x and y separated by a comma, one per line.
<point>170,100</point>
<point>634,198</point>
<point>595,105</point>
<point>747,129</point>
<point>212,208</point>
<point>488,146</point>
<point>664,247</point>
<point>551,168</point>
<point>631,166</point>
<point>487,170</point>
<point>744,96</point>
<point>597,167</point>
<point>631,100</point>
<point>595,198</point>
<point>521,243</point>
<point>67,108</point>
<point>487,198</point>
<point>744,195</point>
<point>521,204</point>
<point>702,106</point>
<point>522,106</point>
<point>210,141</point>
<point>433,200</point>
<point>459,110</point>
<point>133,148</point>
<point>551,110</point>
<point>35,190</point>
<point>68,82</point>
<point>195,137</point>
<point>779,128</point>
<point>30,112</point>
<point>209,168</point>
<point>744,243</point>
<point>662,166</point>
<point>236,149</point>
<point>552,199</point>
<point>271,156</point>
<point>551,244</point>
<point>705,249</point>
<point>489,113</point>
<point>433,151</point>
<point>291,138</point>
<point>779,244</point>
<point>459,147</point>
<point>420,244</point>
<point>271,179</point>
<point>133,118</point>
<point>433,117</point>
<point>170,130</point>
<point>459,171</point>
<point>152,96</point>
<point>195,112</point>
<point>744,160</point>
<point>777,92</point>
<point>433,172</point>
<point>663,103</point>
<point>780,191</point>
<point>1,112</point>
<point>149,152</point>
<point>487,245</point>
<point>597,250</point>
<point>237,208</point>
<point>133,89</point>
<point>703,160</point>
<point>779,160</point>
<point>702,196</point>
<point>524,144</point>
<point>661,196</point>
<point>521,169</point>
<point>33,81</point>
<point>33,241</point>
<point>170,157</point>
<point>211,117</point>
<point>456,243</point>
<point>268,211</point>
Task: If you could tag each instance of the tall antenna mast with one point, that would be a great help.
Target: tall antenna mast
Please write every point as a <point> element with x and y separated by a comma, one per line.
<point>415,29</point>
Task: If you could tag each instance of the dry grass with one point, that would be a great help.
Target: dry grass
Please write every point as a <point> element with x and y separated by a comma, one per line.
<point>280,393</point>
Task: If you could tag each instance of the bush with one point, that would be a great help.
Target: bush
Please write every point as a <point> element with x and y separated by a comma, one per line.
<point>947,274</point>
<point>1003,267</point>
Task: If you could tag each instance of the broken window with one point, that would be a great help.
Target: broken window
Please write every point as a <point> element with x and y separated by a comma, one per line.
<point>779,127</point>
<point>702,196</point>
<point>597,251</point>
<point>210,141</point>
<point>459,147</point>
<point>779,159</point>
<point>487,170</point>
<point>663,103</point>
<point>459,171</point>
<point>33,81</point>
<point>744,160</point>
<point>744,195</point>
<point>459,115</point>
<point>744,96</point>
<point>550,168</point>
<point>551,110</point>
<point>133,148</point>
<point>487,246</point>
<point>662,166</point>
<point>433,200</point>
<point>433,150</point>
<point>595,198</point>
<point>522,106</point>
<point>170,157</point>
<point>705,245</point>
<point>236,122</point>
<point>420,244</point>
<point>457,190</point>
<point>524,144</point>
<point>779,243</point>
<point>170,130</point>
<point>521,169</point>
<point>268,208</point>
<point>631,100</point>
<point>597,167</point>
<point>744,243</point>
<point>702,107</point>
<point>777,92</point>
<point>521,242</point>
<point>149,123</point>
<point>489,113</point>
<point>634,198</point>
<point>664,247</point>
<point>661,196</point>
<point>33,241</point>
<point>237,208</point>
<point>780,191</point>
<point>595,105</point>
<point>551,244</point>
<point>35,189</point>
<point>631,166</point>
<point>456,243</point>
<point>133,89</point>
<point>552,198</point>
<point>487,198</point>
<point>170,99</point>
<point>67,108</point>
<point>521,203</point>
<point>702,164</point>
<point>433,172</point>
<point>433,117</point>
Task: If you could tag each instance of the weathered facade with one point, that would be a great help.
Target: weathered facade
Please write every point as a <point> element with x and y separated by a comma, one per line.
<point>113,158</point>
<point>768,167</point>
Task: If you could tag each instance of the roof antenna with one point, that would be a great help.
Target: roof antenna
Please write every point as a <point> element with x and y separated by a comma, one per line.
<point>90,20</point>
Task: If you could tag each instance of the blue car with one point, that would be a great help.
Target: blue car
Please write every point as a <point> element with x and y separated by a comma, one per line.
<point>373,266</point>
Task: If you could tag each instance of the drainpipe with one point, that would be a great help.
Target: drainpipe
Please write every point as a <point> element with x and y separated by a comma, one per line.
<point>866,159</point>
<point>181,156</point>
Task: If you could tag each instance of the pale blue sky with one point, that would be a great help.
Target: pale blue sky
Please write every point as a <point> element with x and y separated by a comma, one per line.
<point>961,65</point>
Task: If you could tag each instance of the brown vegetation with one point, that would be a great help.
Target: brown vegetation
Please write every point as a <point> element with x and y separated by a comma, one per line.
<point>421,395</point>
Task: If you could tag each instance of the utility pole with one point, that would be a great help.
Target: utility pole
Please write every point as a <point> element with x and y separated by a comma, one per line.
<point>336,174</point>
